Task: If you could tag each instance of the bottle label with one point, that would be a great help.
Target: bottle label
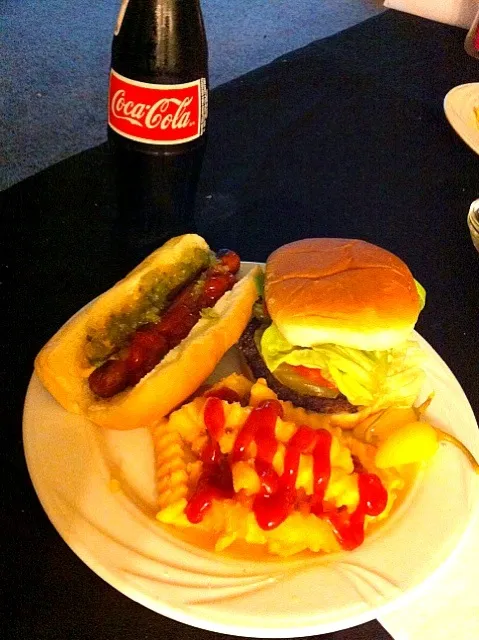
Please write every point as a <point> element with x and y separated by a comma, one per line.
<point>476,39</point>
<point>157,113</point>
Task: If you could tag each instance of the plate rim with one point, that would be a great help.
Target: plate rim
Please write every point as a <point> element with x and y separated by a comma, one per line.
<point>462,129</point>
<point>181,615</point>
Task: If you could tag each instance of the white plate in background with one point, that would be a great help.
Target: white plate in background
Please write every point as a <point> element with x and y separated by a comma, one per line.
<point>459,105</point>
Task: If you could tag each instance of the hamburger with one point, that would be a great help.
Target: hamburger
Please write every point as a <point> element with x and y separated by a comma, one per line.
<point>334,331</point>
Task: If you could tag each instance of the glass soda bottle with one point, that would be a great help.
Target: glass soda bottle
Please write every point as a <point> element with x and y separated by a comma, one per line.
<point>157,114</point>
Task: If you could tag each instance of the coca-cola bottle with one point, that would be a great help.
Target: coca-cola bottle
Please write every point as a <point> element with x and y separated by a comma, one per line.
<point>157,112</point>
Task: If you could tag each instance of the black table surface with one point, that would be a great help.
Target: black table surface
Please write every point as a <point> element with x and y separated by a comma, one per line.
<point>344,138</point>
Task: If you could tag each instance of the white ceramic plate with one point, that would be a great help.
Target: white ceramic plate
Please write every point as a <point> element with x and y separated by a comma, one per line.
<point>97,487</point>
<point>459,106</point>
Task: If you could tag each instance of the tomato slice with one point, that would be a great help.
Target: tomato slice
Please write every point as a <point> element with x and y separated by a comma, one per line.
<point>315,375</point>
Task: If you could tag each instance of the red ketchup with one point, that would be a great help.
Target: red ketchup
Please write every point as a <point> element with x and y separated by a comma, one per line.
<point>275,502</point>
<point>216,481</point>
<point>224,394</point>
<point>349,527</point>
<point>278,496</point>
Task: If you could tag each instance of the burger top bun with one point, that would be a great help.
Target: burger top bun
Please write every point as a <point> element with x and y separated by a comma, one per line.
<point>345,292</point>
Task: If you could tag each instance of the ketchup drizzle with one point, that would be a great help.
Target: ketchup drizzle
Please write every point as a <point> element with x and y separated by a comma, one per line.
<point>214,417</point>
<point>223,393</point>
<point>278,496</point>
<point>271,508</point>
<point>259,428</point>
<point>349,527</point>
<point>216,481</point>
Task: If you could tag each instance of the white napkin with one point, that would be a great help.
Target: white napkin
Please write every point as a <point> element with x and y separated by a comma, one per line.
<point>449,607</point>
<point>457,12</point>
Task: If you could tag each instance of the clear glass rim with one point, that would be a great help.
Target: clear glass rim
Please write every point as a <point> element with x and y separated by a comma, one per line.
<point>473,216</point>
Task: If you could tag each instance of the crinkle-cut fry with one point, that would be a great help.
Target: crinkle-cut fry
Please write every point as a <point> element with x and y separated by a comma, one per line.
<point>180,439</point>
<point>171,474</point>
<point>342,489</point>
<point>284,430</point>
<point>301,532</point>
<point>187,421</point>
<point>340,455</point>
<point>299,415</point>
<point>391,478</point>
<point>176,477</point>
<point>172,496</point>
<point>174,513</point>
<point>232,521</point>
<point>236,382</point>
<point>235,417</point>
<point>261,392</point>
<point>225,541</point>
<point>245,478</point>
<point>365,452</point>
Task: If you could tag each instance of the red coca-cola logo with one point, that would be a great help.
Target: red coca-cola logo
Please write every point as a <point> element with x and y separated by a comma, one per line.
<point>157,113</point>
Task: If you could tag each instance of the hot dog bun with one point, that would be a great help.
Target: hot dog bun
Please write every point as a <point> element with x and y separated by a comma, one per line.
<point>63,367</point>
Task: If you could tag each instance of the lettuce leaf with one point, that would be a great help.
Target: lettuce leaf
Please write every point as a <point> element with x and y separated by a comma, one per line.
<point>259,282</point>
<point>422,294</point>
<point>367,378</point>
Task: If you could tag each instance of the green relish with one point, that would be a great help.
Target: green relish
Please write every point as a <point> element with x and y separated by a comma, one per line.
<point>155,292</point>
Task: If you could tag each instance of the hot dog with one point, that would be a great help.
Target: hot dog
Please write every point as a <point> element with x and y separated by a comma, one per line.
<point>150,341</point>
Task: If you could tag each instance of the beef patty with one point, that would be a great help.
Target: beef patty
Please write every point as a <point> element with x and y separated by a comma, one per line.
<point>247,346</point>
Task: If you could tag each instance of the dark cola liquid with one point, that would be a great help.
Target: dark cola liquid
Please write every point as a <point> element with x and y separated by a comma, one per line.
<point>159,42</point>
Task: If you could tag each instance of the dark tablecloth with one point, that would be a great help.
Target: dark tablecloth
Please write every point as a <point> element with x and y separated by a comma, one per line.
<point>346,138</point>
